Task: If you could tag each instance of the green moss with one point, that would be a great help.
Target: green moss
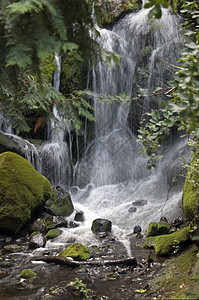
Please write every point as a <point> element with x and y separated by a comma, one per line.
<point>53,233</point>
<point>27,274</point>
<point>23,190</point>
<point>176,280</point>
<point>62,206</point>
<point>190,194</point>
<point>34,233</point>
<point>152,229</point>
<point>164,244</point>
<point>48,67</point>
<point>130,5</point>
<point>76,251</point>
<point>163,228</point>
<point>149,242</point>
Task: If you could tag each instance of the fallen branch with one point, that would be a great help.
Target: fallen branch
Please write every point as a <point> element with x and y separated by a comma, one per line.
<point>131,261</point>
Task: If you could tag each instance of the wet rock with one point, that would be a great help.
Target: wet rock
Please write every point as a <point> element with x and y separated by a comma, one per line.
<point>163,228</point>
<point>53,233</point>
<point>61,203</point>
<point>177,222</point>
<point>137,229</point>
<point>13,248</point>
<point>74,190</point>
<point>79,216</point>
<point>27,274</point>
<point>101,225</point>
<point>8,239</point>
<point>152,229</point>
<point>149,242</point>
<point>140,202</point>
<point>55,222</point>
<point>72,224</point>
<point>76,251</point>
<point>132,209</point>
<point>163,219</point>
<point>38,225</point>
<point>37,241</point>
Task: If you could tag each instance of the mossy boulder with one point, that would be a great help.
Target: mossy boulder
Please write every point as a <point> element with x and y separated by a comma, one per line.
<point>27,274</point>
<point>53,233</point>
<point>163,228</point>
<point>61,203</point>
<point>190,195</point>
<point>23,190</point>
<point>101,225</point>
<point>152,229</point>
<point>76,251</point>
<point>149,242</point>
<point>165,244</point>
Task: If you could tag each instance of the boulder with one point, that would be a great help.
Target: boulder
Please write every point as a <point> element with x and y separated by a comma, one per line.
<point>55,222</point>
<point>137,229</point>
<point>194,230</point>
<point>79,216</point>
<point>132,209</point>
<point>23,191</point>
<point>163,219</point>
<point>61,202</point>
<point>101,225</point>
<point>38,225</point>
<point>27,274</point>
<point>140,202</point>
<point>37,241</point>
<point>53,233</point>
<point>163,228</point>
<point>165,244</point>
<point>152,229</point>
<point>149,242</point>
<point>76,251</point>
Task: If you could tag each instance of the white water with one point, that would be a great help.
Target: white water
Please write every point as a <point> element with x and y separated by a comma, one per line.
<point>112,172</point>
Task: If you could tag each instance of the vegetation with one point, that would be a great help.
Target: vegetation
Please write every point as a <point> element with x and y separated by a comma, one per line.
<point>76,251</point>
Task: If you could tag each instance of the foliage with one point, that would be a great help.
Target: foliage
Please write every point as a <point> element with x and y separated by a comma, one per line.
<point>130,5</point>
<point>183,107</point>
<point>80,287</point>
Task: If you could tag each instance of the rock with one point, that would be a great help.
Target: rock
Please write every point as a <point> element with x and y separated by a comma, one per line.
<point>38,225</point>
<point>165,244</point>
<point>23,191</point>
<point>152,229</point>
<point>13,248</point>
<point>76,251</point>
<point>194,231</point>
<point>140,202</point>
<point>101,225</point>
<point>132,209</point>
<point>72,224</point>
<point>79,216</point>
<point>55,222</point>
<point>53,233</point>
<point>27,274</point>
<point>137,229</point>
<point>37,241</point>
<point>62,204</point>
<point>139,235</point>
<point>177,222</point>
<point>163,228</point>
<point>163,219</point>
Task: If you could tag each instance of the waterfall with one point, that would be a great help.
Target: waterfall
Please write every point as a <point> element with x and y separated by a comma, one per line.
<point>55,160</point>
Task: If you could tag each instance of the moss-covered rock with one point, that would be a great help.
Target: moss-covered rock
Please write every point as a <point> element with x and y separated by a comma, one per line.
<point>149,242</point>
<point>165,244</point>
<point>27,274</point>
<point>163,228</point>
<point>23,190</point>
<point>101,225</point>
<point>190,195</point>
<point>76,251</point>
<point>152,229</point>
<point>53,233</point>
<point>62,203</point>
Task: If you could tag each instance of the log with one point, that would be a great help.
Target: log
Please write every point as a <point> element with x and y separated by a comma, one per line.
<point>129,261</point>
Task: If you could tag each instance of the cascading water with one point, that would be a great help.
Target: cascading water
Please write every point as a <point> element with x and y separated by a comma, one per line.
<point>112,174</point>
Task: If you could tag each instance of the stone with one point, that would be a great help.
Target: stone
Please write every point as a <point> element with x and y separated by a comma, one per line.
<point>140,202</point>
<point>53,233</point>
<point>79,216</point>
<point>38,225</point>
<point>37,241</point>
<point>149,242</point>
<point>137,229</point>
<point>165,244</point>
<point>152,229</point>
<point>163,228</point>
<point>132,209</point>
<point>61,202</point>
<point>13,248</point>
<point>27,274</point>
<point>72,224</point>
<point>76,251</point>
<point>101,225</point>
<point>23,192</point>
<point>163,219</point>
<point>55,222</point>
